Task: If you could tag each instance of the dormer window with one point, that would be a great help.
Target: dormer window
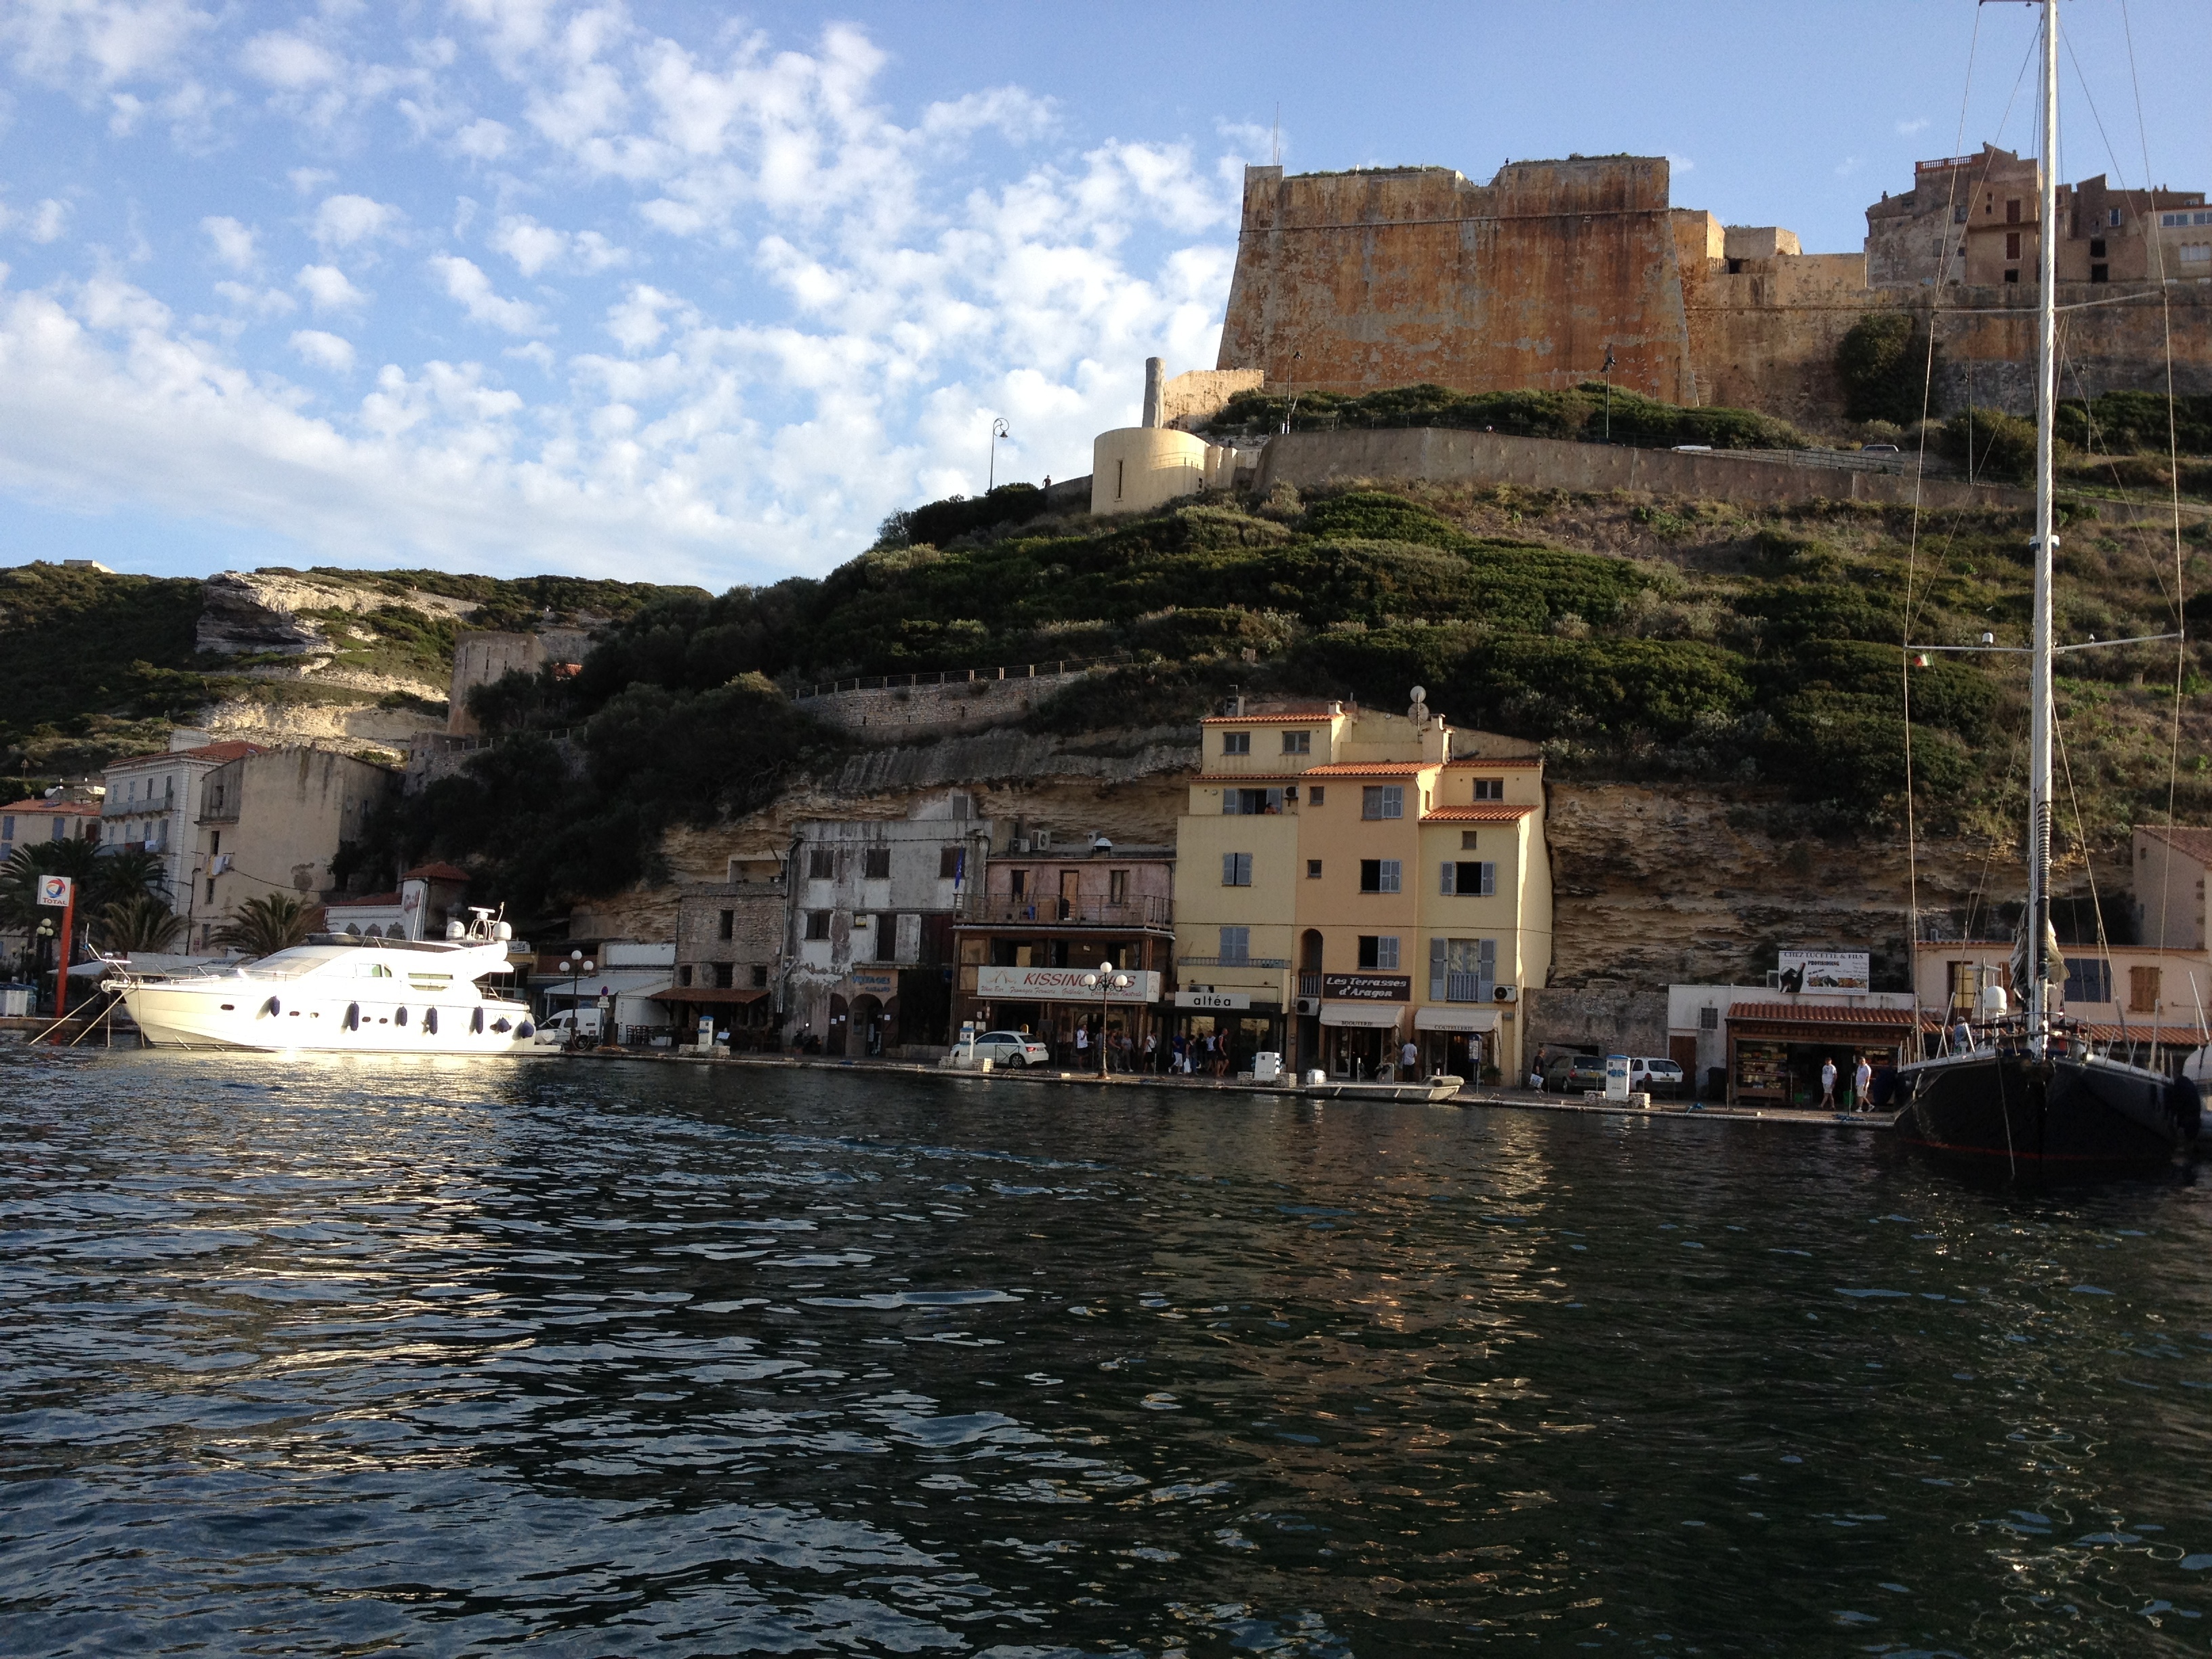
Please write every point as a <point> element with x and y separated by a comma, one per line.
<point>1236,743</point>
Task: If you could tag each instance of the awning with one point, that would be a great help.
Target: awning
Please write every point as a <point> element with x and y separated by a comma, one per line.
<point>1362,1013</point>
<point>1455,1019</point>
<point>703,994</point>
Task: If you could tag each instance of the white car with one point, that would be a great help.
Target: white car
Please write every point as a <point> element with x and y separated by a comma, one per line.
<point>555,1028</point>
<point>1008,1050</point>
<point>1662,1079</point>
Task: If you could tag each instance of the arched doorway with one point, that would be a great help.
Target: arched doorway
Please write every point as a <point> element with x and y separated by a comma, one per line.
<point>1308,1040</point>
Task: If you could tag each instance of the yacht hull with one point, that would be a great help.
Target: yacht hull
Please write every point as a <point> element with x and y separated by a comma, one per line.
<point>233,1017</point>
<point>2014,1118</point>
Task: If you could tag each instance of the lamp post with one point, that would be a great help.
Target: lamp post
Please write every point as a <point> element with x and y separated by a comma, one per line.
<point>579,965</point>
<point>1105,981</point>
<point>45,932</point>
<point>999,430</point>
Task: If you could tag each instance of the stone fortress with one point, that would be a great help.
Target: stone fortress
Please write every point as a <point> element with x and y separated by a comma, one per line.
<point>1357,281</point>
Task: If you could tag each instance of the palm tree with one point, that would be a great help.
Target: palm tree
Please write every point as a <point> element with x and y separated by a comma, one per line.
<point>263,927</point>
<point>143,923</point>
<point>103,878</point>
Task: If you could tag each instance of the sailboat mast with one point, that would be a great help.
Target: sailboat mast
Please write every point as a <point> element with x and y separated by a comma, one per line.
<point>2047,399</point>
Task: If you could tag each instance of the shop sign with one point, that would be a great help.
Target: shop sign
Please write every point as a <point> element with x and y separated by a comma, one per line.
<point>873,983</point>
<point>1063,985</point>
<point>1367,988</point>
<point>1825,970</point>
<point>1229,1000</point>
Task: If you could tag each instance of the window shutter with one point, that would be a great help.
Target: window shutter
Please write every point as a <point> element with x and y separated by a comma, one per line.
<point>1449,886</point>
<point>1489,880</point>
<point>1487,970</point>
<point>1229,869</point>
<point>1437,965</point>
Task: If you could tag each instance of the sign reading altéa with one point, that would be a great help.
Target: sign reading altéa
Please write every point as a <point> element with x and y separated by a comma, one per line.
<point>1825,970</point>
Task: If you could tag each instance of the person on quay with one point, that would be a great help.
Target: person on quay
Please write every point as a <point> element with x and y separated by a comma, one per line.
<point>1863,1087</point>
<point>1828,1084</point>
<point>1409,1059</point>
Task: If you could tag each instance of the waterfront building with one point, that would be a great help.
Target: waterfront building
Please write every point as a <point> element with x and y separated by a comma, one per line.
<point>1348,880</point>
<point>428,898</point>
<point>153,803</point>
<point>1044,916</point>
<point>1766,1043</point>
<point>628,981</point>
<point>71,815</point>
<point>2148,1001</point>
<point>871,907</point>
<point>272,821</point>
<point>730,953</point>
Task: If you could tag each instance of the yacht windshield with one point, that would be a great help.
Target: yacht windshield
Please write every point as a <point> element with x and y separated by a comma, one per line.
<point>300,959</point>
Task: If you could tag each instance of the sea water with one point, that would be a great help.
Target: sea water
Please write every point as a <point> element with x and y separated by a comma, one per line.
<point>324,1356</point>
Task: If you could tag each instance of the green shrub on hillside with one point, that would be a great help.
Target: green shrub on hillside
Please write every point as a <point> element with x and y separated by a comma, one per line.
<point>2137,422</point>
<point>1990,444</point>
<point>1579,414</point>
<point>1884,364</point>
<point>81,647</point>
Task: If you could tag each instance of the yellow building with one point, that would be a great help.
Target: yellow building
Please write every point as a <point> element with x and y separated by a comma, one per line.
<point>1348,881</point>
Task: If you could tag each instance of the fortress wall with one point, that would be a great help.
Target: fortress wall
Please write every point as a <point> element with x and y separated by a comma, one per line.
<point>1391,277</point>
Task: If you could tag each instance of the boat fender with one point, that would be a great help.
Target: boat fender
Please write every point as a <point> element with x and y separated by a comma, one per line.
<point>499,1025</point>
<point>353,1017</point>
<point>431,1022</point>
<point>523,1030</point>
<point>272,1008</point>
<point>475,1022</point>
<point>399,1016</point>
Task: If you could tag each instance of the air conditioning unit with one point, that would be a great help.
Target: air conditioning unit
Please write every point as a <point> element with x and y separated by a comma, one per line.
<point>1506,993</point>
<point>1309,1005</point>
<point>1019,844</point>
<point>1042,840</point>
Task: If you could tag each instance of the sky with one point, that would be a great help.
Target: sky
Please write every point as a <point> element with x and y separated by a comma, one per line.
<point>687,292</point>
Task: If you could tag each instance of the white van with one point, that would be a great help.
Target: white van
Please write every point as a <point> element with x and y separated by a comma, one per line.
<point>586,1022</point>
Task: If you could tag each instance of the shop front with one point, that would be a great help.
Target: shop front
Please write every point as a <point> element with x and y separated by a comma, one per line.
<point>1776,1050</point>
<point>1054,1004</point>
<point>1243,1024</point>
<point>745,1019</point>
<point>1457,1041</point>
<point>1363,1023</point>
<point>863,1013</point>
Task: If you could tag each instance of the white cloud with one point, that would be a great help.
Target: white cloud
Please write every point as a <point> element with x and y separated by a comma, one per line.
<point>484,140</point>
<point>328,289</point>
<point>464,280</point>
<point>233,242</point>
<point>1919,124</point>
<point>636,321</point>
<point>47,221</point>
<point>289,62</point>
<point>324,351</point>
<point>260,301</point>
<point>308,180</point>
<point>343,220</point>
<point>531,246</point>
<point>102,42</point>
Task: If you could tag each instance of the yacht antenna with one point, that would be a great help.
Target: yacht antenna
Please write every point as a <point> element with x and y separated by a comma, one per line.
<point>2046,353</point>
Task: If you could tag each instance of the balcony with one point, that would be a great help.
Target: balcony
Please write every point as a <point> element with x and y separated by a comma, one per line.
<point>1309,983</point>
<point>1233,961</point>
<point>1047,910</point>
<point>1461,987</point>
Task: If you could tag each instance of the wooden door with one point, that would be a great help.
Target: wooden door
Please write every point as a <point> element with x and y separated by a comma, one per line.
<point>1683,1051</point>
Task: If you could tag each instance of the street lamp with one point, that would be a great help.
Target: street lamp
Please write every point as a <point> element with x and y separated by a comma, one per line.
<point>1105,981</point>
<point>579,965</point>
<point>44,932</point>
<point>999,430</point>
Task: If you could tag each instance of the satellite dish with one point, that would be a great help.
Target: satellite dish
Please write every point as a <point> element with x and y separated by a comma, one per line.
<point>1420,693</point>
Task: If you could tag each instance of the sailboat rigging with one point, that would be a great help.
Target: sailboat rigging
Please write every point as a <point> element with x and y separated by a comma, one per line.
<point>2029,1103</point>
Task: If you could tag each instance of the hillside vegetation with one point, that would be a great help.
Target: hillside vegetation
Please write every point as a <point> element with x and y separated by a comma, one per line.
<point>1758,648</point>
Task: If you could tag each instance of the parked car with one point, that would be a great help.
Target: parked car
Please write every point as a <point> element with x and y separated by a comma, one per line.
<point>1662,1079</point>
<point>1573,1073</point>
<point>1878,449</point>
<point>1011,1050</point>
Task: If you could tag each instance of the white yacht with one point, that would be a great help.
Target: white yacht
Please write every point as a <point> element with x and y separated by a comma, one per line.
<point>340,995</point>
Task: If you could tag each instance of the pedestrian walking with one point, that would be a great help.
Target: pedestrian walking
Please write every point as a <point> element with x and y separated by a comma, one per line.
<point>1409,1059</point>
<point>1962,1037</point>
<point>1082,1044</point>
<point>1828,1084</point>
<point>1151,1051</point>
<point>1862,1085</point>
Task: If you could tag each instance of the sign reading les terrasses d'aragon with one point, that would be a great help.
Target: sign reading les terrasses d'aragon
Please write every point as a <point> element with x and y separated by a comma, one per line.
<point>1367,988</point>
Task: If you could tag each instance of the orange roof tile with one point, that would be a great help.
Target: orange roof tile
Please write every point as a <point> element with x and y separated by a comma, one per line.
<point>2196,843</point>
<point>1368,768</point>
<point>1465,762</point>
<point>436,872</point>
<point>81,808</point>
<point>1489,812</point>
<point>1270,720</point>
<point>2171,1036</point>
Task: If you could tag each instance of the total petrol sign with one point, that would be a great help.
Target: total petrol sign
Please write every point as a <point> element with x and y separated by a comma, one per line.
<point>1063,985</point>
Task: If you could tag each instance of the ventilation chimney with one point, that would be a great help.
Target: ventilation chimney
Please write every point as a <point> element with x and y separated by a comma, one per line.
<point>1156,385</point>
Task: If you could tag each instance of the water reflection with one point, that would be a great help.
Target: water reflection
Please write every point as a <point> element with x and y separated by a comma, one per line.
<point>342,1355</point>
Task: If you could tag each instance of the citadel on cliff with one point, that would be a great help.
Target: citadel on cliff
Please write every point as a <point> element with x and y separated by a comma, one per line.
<point>1352,282</point>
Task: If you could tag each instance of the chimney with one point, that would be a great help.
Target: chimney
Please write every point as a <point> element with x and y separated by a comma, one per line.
<point>1156,382</point>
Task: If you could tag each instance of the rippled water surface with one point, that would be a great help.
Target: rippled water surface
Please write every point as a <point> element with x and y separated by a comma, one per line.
<point>624,1358</point>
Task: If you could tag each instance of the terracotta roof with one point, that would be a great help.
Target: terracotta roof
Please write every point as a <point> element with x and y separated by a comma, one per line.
<point>81,808</point>
<point>382,901</point>
<point>1368,768</point>
<point>214,754</point>
<point>1819,1013</point>
<point>1249,777</point>
<point>1489,812</point>
<point>1320,711</point>
<point>2195,842</point>
<point>1467,762</point>
<point>436,872</point>
<point>2171,1036</point>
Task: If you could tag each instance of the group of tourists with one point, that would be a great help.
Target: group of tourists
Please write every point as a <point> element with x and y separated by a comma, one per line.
<point>1200,1056</point>
<point>1122,1052</point>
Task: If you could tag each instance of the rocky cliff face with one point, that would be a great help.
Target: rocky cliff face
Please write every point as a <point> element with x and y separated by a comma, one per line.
<point>248,613</point>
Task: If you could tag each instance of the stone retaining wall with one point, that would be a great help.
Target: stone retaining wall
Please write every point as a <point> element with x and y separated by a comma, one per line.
<point>900,713</point>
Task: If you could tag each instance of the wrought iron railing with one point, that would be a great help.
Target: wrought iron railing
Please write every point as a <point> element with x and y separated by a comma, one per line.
<point>1232,962</point>
<point>1045,907</point>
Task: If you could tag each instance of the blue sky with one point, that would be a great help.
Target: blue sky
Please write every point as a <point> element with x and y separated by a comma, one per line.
<point>680,293</point>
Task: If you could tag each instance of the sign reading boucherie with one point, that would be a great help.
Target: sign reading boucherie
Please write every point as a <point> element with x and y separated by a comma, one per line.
<point>1064,985</point>
<point>1367,988</point>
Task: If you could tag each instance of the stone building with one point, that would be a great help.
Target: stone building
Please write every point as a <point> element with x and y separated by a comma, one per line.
<point>483,655</point>
<point>153,802</point>
<point>1358,281</point>
<point>873,906</point>
<point>731,941</point>
<point>271,822</point>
